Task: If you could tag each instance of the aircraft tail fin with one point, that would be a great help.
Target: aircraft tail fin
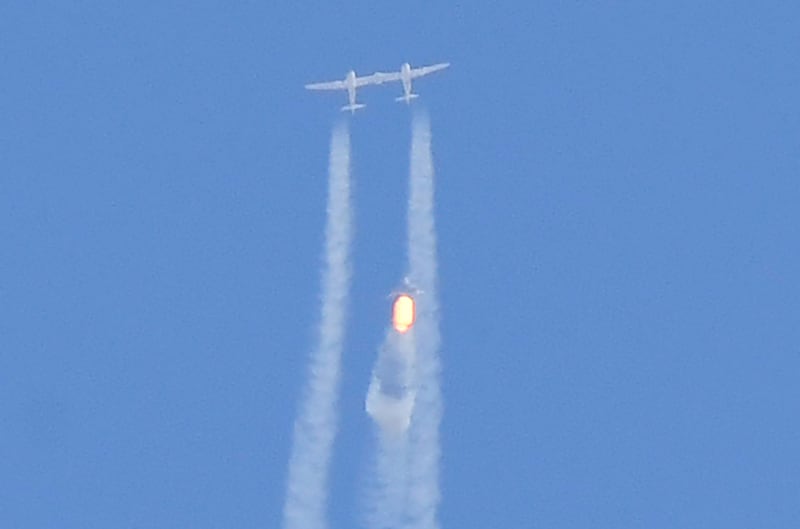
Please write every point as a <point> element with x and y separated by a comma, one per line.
<point>406,98</point>
<point>352,108</point>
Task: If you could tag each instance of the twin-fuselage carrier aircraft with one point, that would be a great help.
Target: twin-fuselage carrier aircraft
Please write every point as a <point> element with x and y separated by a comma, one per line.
<point>352,81</point>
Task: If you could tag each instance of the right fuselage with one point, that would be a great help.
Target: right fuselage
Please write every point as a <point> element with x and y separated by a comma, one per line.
<point>405,76</point>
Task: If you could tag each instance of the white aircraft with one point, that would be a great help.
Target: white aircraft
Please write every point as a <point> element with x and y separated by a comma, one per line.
<point>350,83</point>
<point>406,74</point>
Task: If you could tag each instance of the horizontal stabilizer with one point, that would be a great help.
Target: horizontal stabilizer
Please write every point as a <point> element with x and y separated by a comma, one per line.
<point>352,108</point>
<point>406,98</point>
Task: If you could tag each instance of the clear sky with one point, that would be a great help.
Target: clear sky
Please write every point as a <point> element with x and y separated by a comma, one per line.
<point>619,228</point>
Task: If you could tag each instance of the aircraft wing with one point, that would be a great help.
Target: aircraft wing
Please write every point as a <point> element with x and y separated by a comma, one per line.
<point>377,78</point>
<point>425,70</point>
<point>332,85</point>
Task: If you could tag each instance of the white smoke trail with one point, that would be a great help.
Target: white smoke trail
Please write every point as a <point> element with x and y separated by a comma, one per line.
<point>388,490</point>
<point>315,427</point>
<point>390,402</point>
<point>424,451</point>
<point>404,397</point>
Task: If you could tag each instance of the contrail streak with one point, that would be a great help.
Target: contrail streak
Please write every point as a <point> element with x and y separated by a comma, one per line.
<point>315,427</point>
<point>424,451</point>
<point>404,397</point>
<point>386,497</point>
<point>390,402</point>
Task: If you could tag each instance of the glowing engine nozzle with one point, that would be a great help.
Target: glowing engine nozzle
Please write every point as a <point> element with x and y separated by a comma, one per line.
<point>403,313</point>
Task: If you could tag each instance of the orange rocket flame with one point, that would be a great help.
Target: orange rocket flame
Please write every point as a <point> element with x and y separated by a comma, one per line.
<point>404,313</point>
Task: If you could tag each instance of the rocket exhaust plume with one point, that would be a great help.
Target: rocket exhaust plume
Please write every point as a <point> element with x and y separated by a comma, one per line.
<point>390,403</point>
<point>404,397</point>
<point>315,427</point>
<point>403,313</point>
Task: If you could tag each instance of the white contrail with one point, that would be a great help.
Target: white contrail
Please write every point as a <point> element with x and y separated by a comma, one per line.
<point>386,495</point>
<point>315,427</point>
<point>390,402</point>
<point>424,451</point>
<point>404,397</point>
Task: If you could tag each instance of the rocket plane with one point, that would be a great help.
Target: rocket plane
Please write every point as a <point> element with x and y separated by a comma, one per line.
<point>404,306</point>
<point>392,391</point>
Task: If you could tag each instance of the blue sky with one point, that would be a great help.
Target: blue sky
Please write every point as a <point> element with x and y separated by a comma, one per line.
<point>617,201</point>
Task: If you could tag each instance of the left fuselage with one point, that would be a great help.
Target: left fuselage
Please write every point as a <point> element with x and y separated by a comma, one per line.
<point>350,81</point>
